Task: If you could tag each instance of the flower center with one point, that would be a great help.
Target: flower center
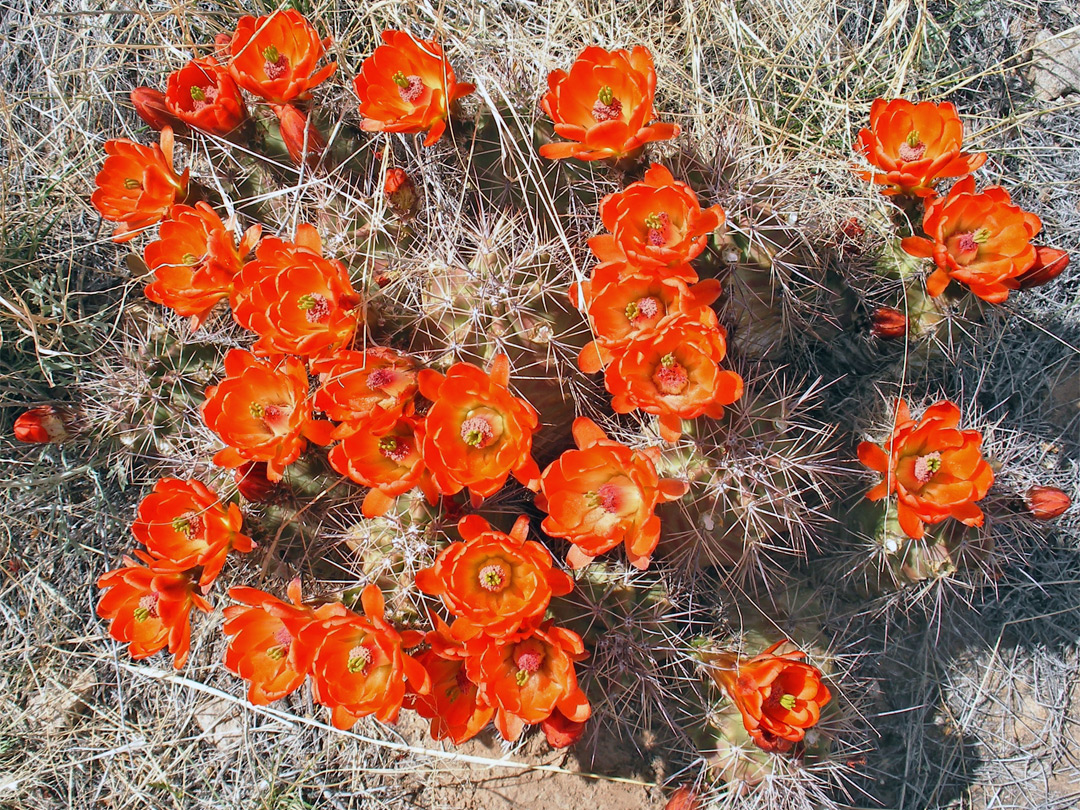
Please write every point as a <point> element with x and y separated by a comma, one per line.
<point>190,259</point>
<point>315,305</point>
<point>644,309</point>
<point>395,448</point>
<point>476,431</point>
<point>409,87</point>
<point>969,242</point>
<point>276,64</point>
<point>131,183</point>
<point>527,661</point>
<point>463,682</point>
<point>284,641</point>
<point>606,107</point>
<point>359,659</point>
<point>191,524</point>
<point>912,148</point>
<point>380,378</point>
<point>274,417</point>
<point>787,701</point>
<point>202,96</point>
<point>608,498</point>
<point>670,378</point>
<point>495,576</point>
<point>659,224</point>
<point>926,466</point>
<point>147,608</point>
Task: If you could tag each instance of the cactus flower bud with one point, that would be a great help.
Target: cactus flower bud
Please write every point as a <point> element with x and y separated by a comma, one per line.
<point>888,323</point>
<point>1046,503</point>
<point>1049,264</point>
<point>560,731</point>
<point>304,142</point>
<point>151,106</point>
<point>685,798</point>
<point>253,483</point>
<point>401,192</point>
<point>43,425</point>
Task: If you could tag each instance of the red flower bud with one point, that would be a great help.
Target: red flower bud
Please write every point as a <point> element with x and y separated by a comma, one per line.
<point>151,107</point>
<point>252,482</point>
<point>1046,503</point>
<point>43,425</point>
<point>401,191</point>
<point>560,731</point>
<point>888,323</point>
<point>1049,264</point>
<point>294,125</point>
<point>852,228</point>
<point>685,798</point>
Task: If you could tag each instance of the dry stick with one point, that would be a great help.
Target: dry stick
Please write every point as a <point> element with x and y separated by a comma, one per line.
<point>169,677</point>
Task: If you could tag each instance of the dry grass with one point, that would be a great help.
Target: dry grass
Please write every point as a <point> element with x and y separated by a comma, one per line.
<point>953,693</point>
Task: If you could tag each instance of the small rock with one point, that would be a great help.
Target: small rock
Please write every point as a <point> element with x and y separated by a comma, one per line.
<point>221,723</point>
<point>1057,64</point>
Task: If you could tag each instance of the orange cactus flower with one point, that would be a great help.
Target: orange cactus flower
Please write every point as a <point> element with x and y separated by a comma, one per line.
<point>604,494</point>
<point>478,433</point>
<point>364,388</point>
<point>261,650</point>
<point>137,186</point>
<point>42,425</point>
<point>494,583</point>
<point>454,706</point>
<point>560,731</point>
<point>913,145</point>
<point>981,240</point>
<point>388,461</point>
<point>296,300</point>
<point>195,260</point>
<point>604,105</point>
<point>262,412</point>
<point>935,470</point>
<point>527,679</point>
<point>675,375</point>
<point>185,523</point>
<point>656,222</point>
<point>149,608</point>
<point>623,304</point>
<point>779,696</point>
<point>204,96</point>
<point>358,663</point>
<point>275,57</point>
<point>407,85</point>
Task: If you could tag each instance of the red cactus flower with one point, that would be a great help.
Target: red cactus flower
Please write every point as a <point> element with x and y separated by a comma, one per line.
<point>364,388</point>
<point>305,144</point>
<point>528,679</point>
<point>42,425</point>
<point>148,608</point>
<point>935,470</point>
<point>604,105</point>
<point>261,649</point>
<point>604,494</point>
<point>656,222</point>
<point>453,706</point>
<point>358,662</point>
<point>625,303</point>
<point>195,260</point>
<point>1046,503</point>
<point>252,482</point>
<point>675,375</point>
<point>137,185</point>
<point>981,240</point>
<point>560,731</point>
<point>1049,264</point>
<point>388,461</point>
<point>407,85</point>
<point>295,299</point>
<point>401,192</point>
<point>494,583</point>
<point>204,96</point>
<point>478,433</point>
<point>262,412</point>
<point>779,696</point>
<point>186,524</point>
<point>913,145</point>
<point>888,323</point>
<point>275,57</point>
